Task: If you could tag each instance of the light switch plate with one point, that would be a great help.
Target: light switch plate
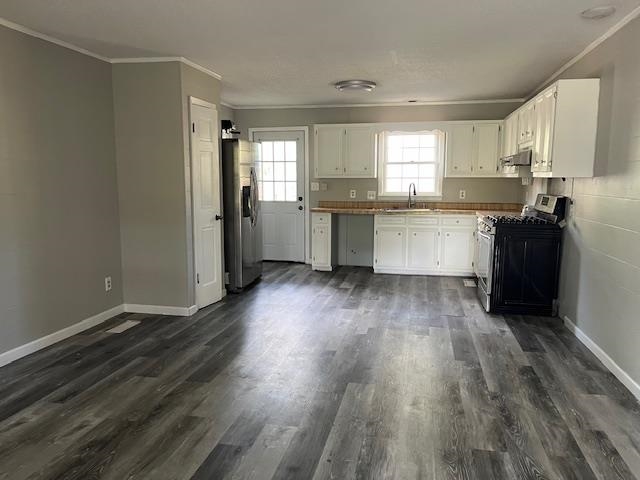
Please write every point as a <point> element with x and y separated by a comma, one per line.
<point>371,195</point>
<point>463,194</point>
<point>352,194</point>
<point>315,186</point>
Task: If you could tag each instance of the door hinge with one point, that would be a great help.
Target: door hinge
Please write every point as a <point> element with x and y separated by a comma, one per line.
<point>198,278</point>
<point>473,129</point>
<point>376,260</point>
<point>555,94</point>
<point>193,127</point>
<point>438,262</point>
<point>472,264</point>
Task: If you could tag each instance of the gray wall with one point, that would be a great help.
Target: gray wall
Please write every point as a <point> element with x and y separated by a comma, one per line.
<point>58,193</point>
<point>600,282</point>
<point>478,190</point>
<point>150,156</point>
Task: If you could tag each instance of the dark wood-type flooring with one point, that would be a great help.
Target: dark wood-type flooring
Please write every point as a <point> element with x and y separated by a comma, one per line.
<point>313,375</point>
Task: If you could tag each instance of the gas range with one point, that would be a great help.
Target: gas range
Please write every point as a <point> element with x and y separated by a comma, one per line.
<point>515,220</point>
<point>517,258</point>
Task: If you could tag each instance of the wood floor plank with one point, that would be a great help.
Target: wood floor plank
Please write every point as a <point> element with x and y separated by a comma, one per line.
<point>341,374</point>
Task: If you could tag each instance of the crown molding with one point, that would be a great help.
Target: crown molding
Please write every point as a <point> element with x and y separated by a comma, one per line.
<point>61,43</point>
<point>592,46</point>
<point>388,104</point>
<point>47,38</point>
<point>184,60</point>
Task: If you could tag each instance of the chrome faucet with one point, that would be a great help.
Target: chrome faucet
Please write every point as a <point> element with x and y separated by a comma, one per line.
<point>412,201</point>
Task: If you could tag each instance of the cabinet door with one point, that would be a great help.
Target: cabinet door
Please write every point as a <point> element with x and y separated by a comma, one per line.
<point>320,245</point>
<point>329,151</point>
<point>456,249</point>
<point>460,150</point>
<point>526,123</point>
<point>360,152</point>
<point>422,248</point>
<point>545,115</point>
<point>486,148</point>
<point>510,137</point>
<point>390,247</point>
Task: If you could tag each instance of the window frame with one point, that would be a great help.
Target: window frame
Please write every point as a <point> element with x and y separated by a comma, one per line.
<point>441,142</point>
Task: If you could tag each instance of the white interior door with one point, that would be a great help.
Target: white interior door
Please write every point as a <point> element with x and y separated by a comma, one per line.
<point>281,190</point>
<point>205,171</point>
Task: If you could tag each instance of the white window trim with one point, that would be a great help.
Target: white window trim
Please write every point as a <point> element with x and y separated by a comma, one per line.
<point>382,162</point>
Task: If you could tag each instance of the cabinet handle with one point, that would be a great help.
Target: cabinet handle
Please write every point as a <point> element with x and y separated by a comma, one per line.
<point>399,234</point>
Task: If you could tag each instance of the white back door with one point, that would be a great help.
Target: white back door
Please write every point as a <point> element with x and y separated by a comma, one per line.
<point>207,215</point>
<point>281,190</point>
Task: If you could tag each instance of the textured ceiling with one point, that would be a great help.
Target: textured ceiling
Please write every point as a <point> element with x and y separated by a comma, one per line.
<point>288,52</point>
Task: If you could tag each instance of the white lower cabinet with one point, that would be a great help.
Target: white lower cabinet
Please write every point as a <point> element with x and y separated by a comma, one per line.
<point>322,241</point>
<point>429,245</point>
<point>392,247</point>
<point>457,249</point>
<point>423,248</point>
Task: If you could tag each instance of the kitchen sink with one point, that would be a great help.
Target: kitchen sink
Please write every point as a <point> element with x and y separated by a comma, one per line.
<point>409,210</point>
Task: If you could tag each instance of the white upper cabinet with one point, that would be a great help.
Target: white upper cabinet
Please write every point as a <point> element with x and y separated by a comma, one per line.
<point>510,135</point>
<point>473,149</point>
<point>460,150</point>
<point>360,152</point>
<point>329,150</point>
<point>567,119</point>
<point>486,148</point>
<point>345,151</point>
<point>560,126</point>
<point>545,108</point>
<point>526,123</point>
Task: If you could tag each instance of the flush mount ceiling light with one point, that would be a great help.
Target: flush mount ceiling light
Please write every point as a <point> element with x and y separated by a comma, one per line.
<point>596,13</point>
<point>355,85</point>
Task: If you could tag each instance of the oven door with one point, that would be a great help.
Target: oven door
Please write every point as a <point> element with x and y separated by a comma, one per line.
<point>484,268</point>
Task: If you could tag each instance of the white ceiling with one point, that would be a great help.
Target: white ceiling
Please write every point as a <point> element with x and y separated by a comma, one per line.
<point>288,52</point>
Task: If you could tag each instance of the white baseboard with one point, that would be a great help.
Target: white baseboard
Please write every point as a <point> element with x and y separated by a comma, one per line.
<point>160,309</point>
<point>608,362</point>
<point>55,337</point>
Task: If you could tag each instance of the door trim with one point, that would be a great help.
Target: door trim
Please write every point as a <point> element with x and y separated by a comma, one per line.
<point>307,214</point>
<point>195,101</point>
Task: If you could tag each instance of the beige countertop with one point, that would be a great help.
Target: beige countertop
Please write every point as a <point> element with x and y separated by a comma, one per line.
<point>406,211</point>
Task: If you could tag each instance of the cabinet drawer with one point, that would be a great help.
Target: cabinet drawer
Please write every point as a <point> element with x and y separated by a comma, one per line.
<point>391,220</point>
<point>466,221</point>
<point>423,220</point>
<point>320,218</point>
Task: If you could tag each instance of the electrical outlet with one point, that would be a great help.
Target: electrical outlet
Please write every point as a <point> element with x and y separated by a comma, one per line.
<point>323,187</point>
<point>463,194</point>
<point>107,284</point>
<point>371,195</point>
<point>352,194</point>
<point>315,187</point>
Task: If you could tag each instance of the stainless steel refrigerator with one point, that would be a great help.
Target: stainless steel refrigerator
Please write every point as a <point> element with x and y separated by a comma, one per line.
<point>242,222</point>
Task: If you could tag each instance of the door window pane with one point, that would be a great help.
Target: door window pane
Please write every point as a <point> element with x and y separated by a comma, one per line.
<point>291,192</point>
<point>278,173</point>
